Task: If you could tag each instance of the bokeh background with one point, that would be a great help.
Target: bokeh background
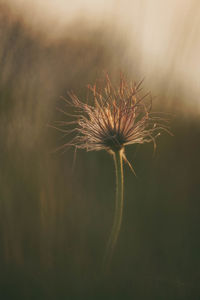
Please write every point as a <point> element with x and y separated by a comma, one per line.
<point>55,219</point>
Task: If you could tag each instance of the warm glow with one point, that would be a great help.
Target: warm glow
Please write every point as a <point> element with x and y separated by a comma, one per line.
<point>163,36</point>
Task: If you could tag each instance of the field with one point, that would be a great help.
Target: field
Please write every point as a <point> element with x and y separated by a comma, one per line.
<point>55,218</point>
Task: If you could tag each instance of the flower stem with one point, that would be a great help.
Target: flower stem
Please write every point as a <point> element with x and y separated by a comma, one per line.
<point>118,160</point>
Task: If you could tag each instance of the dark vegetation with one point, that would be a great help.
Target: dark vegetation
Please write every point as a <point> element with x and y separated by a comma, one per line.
<point>54,222</point>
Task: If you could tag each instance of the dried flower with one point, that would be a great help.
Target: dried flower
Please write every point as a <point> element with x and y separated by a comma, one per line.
<point>117,118</point>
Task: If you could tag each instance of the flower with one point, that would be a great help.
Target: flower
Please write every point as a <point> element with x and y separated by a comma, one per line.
<point>118,117</point>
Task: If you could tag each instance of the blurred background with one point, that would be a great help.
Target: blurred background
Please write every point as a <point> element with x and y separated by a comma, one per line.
<point>55,219</point>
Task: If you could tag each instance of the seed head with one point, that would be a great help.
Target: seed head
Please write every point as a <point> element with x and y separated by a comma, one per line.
<point>117,117</point>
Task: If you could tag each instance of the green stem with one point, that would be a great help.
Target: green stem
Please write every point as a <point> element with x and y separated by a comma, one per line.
<point>118,160</point>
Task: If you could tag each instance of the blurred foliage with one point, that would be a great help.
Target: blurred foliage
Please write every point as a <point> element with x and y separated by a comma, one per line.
<point>55,220</point>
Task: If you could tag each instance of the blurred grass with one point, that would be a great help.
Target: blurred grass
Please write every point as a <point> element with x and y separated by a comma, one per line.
<point>55,222</point>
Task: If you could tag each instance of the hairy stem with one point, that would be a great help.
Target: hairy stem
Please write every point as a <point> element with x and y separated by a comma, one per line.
<point>118,160</point>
